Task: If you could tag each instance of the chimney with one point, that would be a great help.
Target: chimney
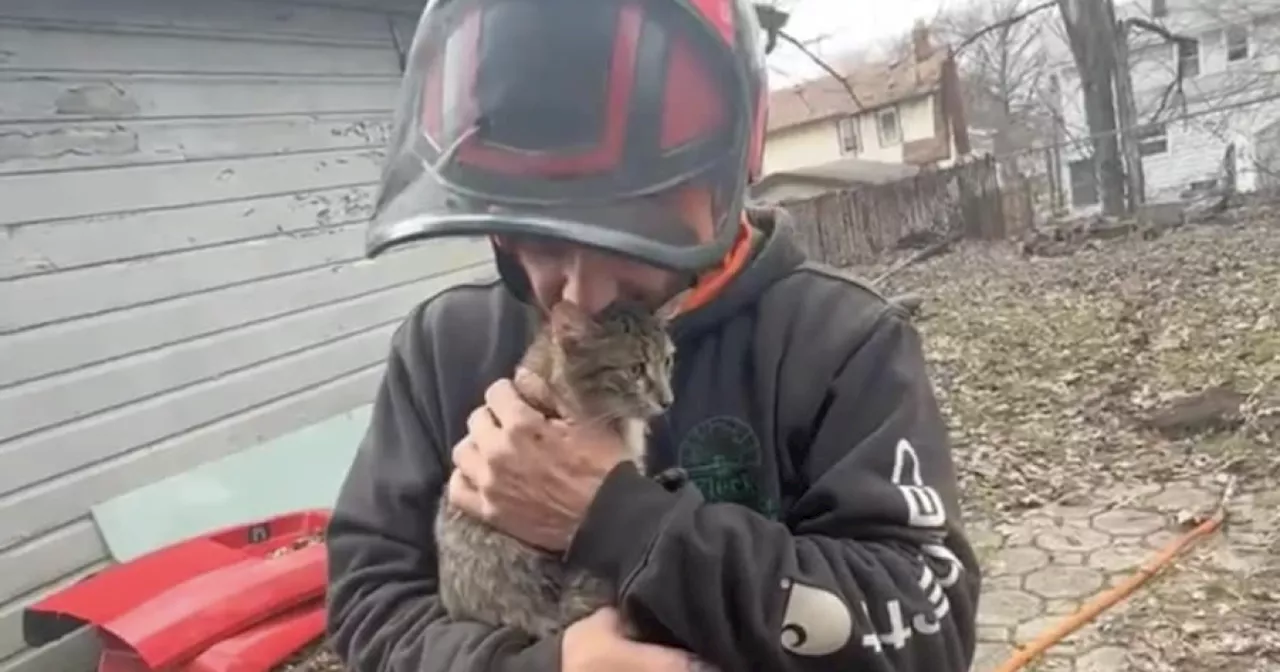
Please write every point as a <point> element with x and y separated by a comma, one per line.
<point>920,43</point>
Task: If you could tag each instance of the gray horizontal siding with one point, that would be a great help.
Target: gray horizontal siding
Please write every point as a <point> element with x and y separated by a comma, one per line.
<point>83,95</point>
<point>112,50</point>
<point>41,196</point>
<point>55,146</point>
<point>233,18</point>
<point>186,186</point>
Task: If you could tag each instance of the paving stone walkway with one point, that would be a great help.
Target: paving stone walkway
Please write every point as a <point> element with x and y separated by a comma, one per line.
<point>1046,564</point>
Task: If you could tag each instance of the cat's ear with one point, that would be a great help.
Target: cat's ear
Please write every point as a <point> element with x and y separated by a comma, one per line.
<point>668,311</point>
<point>569,322</point>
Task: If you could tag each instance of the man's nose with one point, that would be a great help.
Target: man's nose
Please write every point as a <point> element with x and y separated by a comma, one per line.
<point>586,285</point>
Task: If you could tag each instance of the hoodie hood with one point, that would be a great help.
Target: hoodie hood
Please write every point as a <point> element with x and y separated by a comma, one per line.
<point>775,256</point>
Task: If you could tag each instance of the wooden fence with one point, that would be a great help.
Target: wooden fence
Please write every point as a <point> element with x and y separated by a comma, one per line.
<point>857,226</point>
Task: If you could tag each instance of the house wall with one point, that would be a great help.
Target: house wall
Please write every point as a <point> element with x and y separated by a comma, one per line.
<point>819,142</point>
<point>1268,157</point>
<point>801,146</point>
<point>185,187</point>
<point>1225,100</point>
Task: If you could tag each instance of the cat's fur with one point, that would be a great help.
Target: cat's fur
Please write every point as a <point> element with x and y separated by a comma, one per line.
<point>614,369</point>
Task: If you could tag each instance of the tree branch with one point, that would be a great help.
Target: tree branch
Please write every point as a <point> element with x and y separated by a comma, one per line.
<point>1002,61</point>
<point>1156,28</point>
<point>772,21</point>
<point>1003,23</point>
<point>817,60</point>
<point>1175,87</point>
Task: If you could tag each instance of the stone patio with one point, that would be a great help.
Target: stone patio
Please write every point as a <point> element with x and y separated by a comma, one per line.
<point>1043,567</point>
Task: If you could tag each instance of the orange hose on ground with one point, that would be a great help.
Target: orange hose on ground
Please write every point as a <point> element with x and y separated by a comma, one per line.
<point>1109,598</point>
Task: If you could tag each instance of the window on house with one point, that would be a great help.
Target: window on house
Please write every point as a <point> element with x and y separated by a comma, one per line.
<point>1188,55</point>
<point>1152,139</point>
<point>889,127</point>
<point>1084,183</point>
<point>1159,9</point>
<point>847,129</point>
<point>1237,43</point>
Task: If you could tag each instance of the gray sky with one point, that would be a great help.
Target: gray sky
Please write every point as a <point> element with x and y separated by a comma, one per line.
<point>850,23</point>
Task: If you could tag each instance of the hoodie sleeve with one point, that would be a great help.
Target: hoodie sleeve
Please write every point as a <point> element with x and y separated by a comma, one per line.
<point>383,613</point>
<point>869,571</point>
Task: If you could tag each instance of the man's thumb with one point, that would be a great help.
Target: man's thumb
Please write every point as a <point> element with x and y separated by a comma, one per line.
<point>606,617</point>
<point>535,392</point>
<point>666,658</point>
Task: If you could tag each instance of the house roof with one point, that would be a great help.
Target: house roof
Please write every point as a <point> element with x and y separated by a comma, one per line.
<point>842,173</point>
<point>853,170</point>
<point>875,86</point>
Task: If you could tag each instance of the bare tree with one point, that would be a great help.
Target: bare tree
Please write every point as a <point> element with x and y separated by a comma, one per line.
<point>1091,36</point>
<point>773,20</point>
<point>1002,65</point>
<point>1218,60</point>
<point>1008,87</point>
<point>1199,61</point>
<point>1003,71</point>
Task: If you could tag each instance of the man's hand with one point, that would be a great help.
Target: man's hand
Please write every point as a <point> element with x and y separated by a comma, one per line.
<point>528,476</point>
<point>597,643</point>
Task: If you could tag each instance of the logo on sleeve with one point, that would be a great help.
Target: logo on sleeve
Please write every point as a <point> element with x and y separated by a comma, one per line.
<point>924,504</point>
<point>816,622</point>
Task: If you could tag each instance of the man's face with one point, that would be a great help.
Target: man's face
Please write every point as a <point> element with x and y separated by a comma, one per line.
<point>590,278</point>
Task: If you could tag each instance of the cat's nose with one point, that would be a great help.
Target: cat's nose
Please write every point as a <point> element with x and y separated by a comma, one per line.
<point>665,399</point>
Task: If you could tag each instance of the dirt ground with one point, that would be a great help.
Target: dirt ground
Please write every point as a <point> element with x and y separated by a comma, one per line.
<point>315,658</point>
<point>1126,366</point>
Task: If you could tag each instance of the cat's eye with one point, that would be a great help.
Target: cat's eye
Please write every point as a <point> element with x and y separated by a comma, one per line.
<point>639,370</point>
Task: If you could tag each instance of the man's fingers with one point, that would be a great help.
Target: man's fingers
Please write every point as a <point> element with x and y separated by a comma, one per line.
<point>482,427</point>
<point>698,665</point>
<point>535,391</point>
<point>469,464</point>
<point>667,659</point>
<point>465,497</point>
<point>508,407</point>
<point>606,618</point>
<point>606,623</point>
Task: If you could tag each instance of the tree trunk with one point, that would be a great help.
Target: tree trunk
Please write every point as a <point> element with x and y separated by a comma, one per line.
<point>1093,47</point>
<point>1127,115</point>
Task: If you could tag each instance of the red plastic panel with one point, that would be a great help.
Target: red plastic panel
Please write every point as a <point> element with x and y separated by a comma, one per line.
<point>164,608</point>
<point>265,646</point>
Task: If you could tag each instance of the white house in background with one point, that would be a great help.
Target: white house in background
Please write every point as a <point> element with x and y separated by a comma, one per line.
<point>907,112</point>
<point>1230,94</point>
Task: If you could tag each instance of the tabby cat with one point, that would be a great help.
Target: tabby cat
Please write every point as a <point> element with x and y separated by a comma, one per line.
<point>615,369</point>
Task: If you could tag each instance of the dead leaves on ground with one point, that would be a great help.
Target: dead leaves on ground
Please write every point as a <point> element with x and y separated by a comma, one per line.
<point>1128,363</point>
<point>1140,361</point>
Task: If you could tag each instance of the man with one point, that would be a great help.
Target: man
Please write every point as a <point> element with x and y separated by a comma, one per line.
<point>604,147</point>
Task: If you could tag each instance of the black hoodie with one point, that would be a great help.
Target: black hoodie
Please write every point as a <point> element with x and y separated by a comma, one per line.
<point>819,528</point>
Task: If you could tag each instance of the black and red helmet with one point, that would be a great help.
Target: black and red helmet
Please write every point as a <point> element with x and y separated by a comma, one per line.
<point>566,118</point>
